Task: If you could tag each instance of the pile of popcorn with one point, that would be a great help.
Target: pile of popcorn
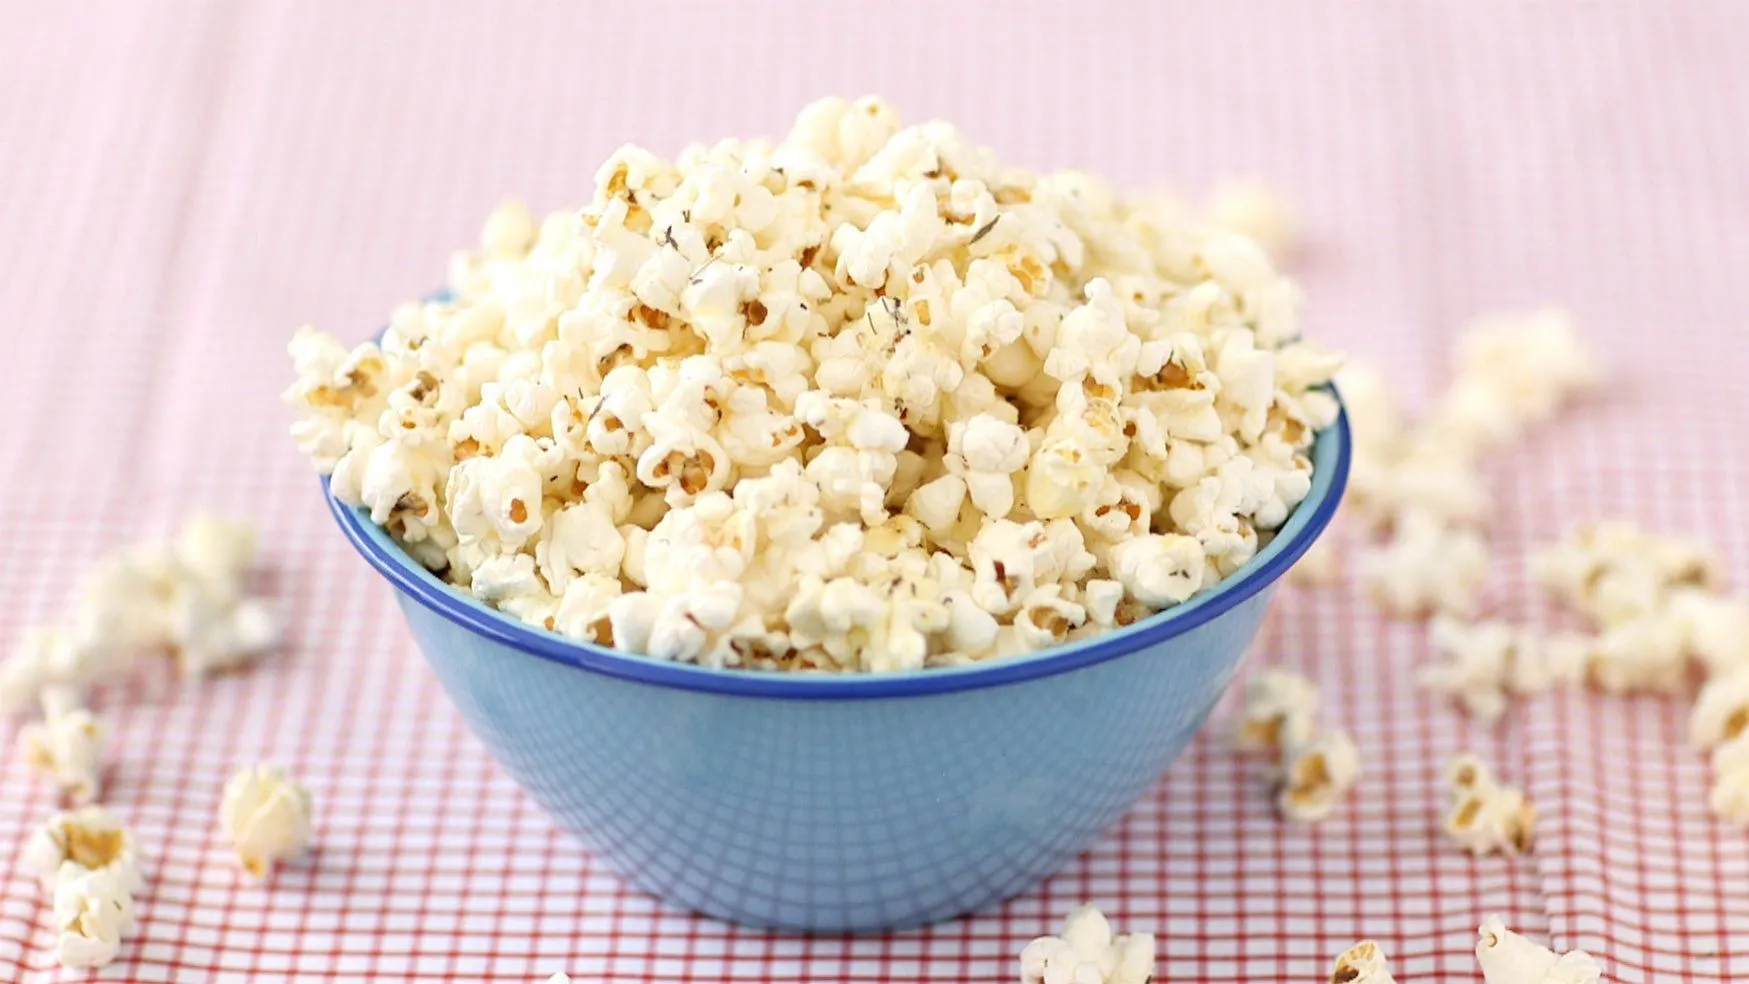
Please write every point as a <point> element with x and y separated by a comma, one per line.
<point>865,399</point>
<point>189,598</point>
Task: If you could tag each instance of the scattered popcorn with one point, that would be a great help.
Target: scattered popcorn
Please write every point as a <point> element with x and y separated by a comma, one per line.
<point>1279,712</point>
<point>1508,958</point>
<point>1362,963</point>
<point>1429,567</point>
<point>267,816</point>
<point>1716,628</point>
<point>1314,776</point>
<point>1721,712</point>
<point>89,837</point>
<point>67,744</point>
<point>1319,566</point>
<point>1088,953</point>
<point>94,909</point>
<point>1483,662</point>
<point>1612,572</point>
<point>1729,798</point>
<point>910,402</point>
<point>1486,817</point>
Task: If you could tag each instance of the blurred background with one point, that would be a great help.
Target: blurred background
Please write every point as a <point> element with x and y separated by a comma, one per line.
<point>183,183</point>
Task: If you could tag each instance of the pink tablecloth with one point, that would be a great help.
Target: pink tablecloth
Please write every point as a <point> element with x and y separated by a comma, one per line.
<point>182,184</point>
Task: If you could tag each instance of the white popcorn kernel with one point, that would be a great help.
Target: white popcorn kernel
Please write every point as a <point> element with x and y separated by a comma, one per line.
<point>1614,572</point>
<point>1508,958</point>
<point>1319,566</point>
<point>1362,963</point>
<point>67,744</point>
<point>94,909</point>
<point>1729,797</point>
<point>266,815</point>
<point>89,837</point>
<point>1721,712</point>
<point>1160,569</point>
<point>1483,662</point>
<point>579,539</point>
<point>1315,775</point>
<point>1717,628</point>
<point>217,548</point>
<point>1486,817</point>
<point>1088,952</point>
<point>1648,653</point>
<point>1427,567</point>
<point>1278,712</point>
<point>509,230</point>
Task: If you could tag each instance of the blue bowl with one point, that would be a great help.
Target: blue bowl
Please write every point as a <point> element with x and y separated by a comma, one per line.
<point>843,803</point>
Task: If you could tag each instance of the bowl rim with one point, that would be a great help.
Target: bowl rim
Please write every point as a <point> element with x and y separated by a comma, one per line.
<point>1331,454</point>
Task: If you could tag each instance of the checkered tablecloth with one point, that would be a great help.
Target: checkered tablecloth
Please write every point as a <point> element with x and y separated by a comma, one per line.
<point>182,184</point>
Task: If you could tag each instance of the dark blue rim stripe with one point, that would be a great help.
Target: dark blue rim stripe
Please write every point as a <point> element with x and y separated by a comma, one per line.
<point>1329,478</point>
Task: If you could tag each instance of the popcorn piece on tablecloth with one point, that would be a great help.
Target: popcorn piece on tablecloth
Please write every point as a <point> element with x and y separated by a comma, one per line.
<point>1647,653</point>
<point>1087,952</point>
<point>1427,567</point>
<point>267,816</point>
<point>94,909</point>
<point>1483,662</point>
<point>89,837</point>
<point>1486,817</point>
<point>1320,565</point>
<point>67,744</point>
<point>1278,712</point>
<point>1508,958</point>
<point>1716,628</point>
<point>1613,572</point>
<point>1314,776</point>
<point>1729,797</point>
<point>1721,711</point>
<point>1362,963</point>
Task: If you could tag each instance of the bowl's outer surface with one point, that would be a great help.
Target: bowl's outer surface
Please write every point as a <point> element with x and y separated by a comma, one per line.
<point>852,802</point>
<point>837,815</point>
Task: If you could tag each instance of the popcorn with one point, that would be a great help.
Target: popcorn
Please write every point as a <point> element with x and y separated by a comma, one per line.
<point>1087,952</point>
<point>909,403</point>
<point>1721,712</point>
<point>67,744</point>
<point>1485,661</point>
<point>1486,817</point>
<point>1362,963</point>
<point>91,839</point>
<point>94,909</point>
<point>1428,567</point>
<point>267,817</point>
<point>1508,958</point>
<point>1613,572</point>
<point>1319,566</point>
<point>1717,628</point>
<point>1279,712</point>
<point>1315,774</point>
<point>1729,798</point>
<point>1256,211</point>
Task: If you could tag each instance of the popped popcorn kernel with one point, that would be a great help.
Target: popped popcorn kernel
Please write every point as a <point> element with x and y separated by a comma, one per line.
<point>1362,963</point>
<point>1485,662</point>
<point>1088,952</point>
<point>1429,567</point>
<point>1315,774</point>
<point>90,838</point>
<point>911,401</point>
<point>1279,712</point>
<point>1486,817</point>
<point>67,744</point>
<point>266,815</point>
<point>93,910</point>
<point>1508,958</point>
<point>1729,797</point>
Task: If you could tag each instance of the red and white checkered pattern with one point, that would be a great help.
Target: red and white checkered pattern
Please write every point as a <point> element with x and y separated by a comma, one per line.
<point>182,184</point>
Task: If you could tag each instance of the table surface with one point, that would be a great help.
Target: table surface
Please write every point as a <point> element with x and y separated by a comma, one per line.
<point>186,183</point>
